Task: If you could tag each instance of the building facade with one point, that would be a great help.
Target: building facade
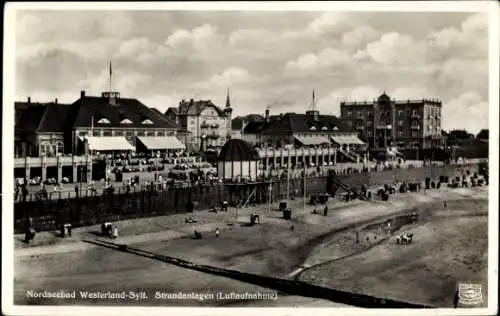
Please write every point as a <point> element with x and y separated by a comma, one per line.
<point>208,125</point>
<point>51,129</point>
<point>386,122</point>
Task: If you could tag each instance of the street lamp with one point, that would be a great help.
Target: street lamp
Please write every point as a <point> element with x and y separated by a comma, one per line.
<point>203,140</point>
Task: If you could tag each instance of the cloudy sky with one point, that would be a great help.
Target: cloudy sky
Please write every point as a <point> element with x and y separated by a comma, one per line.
<point>266,59</point>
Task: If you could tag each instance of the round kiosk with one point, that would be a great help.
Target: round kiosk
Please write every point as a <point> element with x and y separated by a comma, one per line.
<point>237,159</point>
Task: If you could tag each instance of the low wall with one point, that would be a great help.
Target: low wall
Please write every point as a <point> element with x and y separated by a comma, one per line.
<point>290,287</point>
<point>411,174</point>
<point>49,214</point>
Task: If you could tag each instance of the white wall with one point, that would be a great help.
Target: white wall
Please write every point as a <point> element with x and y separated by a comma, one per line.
<point>233,169</point>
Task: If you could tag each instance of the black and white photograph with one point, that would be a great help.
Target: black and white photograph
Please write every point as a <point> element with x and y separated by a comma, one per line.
<point>276,155</point>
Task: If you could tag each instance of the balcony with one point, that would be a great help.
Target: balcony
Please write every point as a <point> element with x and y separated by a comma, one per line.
<point>360,127</point>
<point>417,127</point>
<point>415,115</point>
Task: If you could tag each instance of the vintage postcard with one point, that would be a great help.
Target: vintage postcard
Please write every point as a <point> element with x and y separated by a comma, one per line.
<point>250,158</point>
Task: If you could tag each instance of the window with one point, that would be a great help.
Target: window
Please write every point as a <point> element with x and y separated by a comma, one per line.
<point>370,133</point>
<point>60,148</point>
<point>430,127</point>
<point>118,133</point>
<point>126,121</point>
<point>96,132</point>
<point>335,128</point>
<point>414,134</point>
<point>129,133</point>
<point>349,123</point>
<point>401,133</point>
<point>150,133</point>
<point>401,123</point>
<point>401,112</point>
<point>324,128</point>
<point>147,121</point>
<point>349,113</point>
<point>106,132</point>
<point>103,121</point>
<point>370,123</point>
<point>161,134</point>
<point>313,128</point>
<point>140,133</point>
<point>170,133</point>
<point>45,149</point>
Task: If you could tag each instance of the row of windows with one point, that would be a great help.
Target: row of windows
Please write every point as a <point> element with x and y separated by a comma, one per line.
<point>360,114</point>
<point>109,132</point>
<point>125,121</point>
<point>50,149</point>
<point>399,134</point>
<point>399,123</point>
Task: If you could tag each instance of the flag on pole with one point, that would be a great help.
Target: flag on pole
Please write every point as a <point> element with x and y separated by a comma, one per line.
<point>110,69</point>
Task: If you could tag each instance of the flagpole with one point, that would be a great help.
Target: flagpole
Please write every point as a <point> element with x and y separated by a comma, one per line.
<point>110,76</point>
<point>288,177</point>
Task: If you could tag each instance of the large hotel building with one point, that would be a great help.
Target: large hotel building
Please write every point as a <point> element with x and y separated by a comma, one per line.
<point>404,124</point>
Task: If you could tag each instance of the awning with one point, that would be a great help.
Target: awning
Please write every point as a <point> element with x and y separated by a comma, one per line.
<point>109,143</point>
<point>161,142</point>
<point>348,140</point>
<point>312,141</point>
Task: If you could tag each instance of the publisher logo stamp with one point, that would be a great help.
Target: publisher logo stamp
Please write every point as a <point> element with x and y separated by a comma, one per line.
<point>470,294</point>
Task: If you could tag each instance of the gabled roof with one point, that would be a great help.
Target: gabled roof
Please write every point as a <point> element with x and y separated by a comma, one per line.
<point>302,123</point>
<point>28,116</point>
<point>483,134</point>
<point>90,109</point>
<point>196,107</point>
<point>256,127</point>
<point>237,122</point>
<point>171,109</point>
<point>31,118</point>
<point>54,119</point>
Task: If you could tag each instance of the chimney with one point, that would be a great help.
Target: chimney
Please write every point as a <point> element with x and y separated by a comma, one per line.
<point>55,101</point>
<point>29,100</point>
<point>267,115</point>
<point>82,94</point>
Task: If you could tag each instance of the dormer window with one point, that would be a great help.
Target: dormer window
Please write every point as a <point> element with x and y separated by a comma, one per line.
<point>324,128</point>
<point>147,121</point>
<point>126,121</point>
<point>313,128</point>
<point>104,121</point>
<point>335,128</point>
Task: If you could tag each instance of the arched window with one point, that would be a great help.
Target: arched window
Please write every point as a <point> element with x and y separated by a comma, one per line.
<point>313,128</point>
<point>103,121</point>
<point>147,121</point>
<point>126,121</point>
